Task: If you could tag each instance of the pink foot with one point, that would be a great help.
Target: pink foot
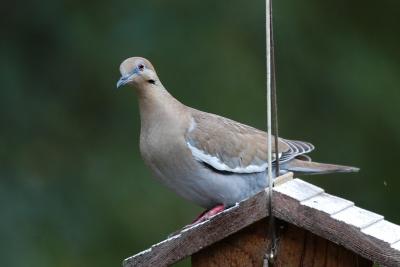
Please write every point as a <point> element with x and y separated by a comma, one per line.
<point>207,214</point>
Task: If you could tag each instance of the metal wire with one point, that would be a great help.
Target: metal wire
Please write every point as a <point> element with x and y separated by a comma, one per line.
<point>271,111</point>
<point>275,128</point>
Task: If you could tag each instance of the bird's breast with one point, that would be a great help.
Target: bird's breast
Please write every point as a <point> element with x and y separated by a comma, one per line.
<point>163,148</point>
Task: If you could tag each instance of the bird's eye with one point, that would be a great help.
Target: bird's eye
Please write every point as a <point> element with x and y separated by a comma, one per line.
<point>141,67</point>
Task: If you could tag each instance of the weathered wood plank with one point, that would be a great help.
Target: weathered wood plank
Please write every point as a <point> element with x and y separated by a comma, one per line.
<point>283,179</point>
<point>192,239</point>
<point>244,248</point>
<point>384,230</point>
<point>299,190</point>
<point>396,245</point>
<point>291,247</point>
<point>327,203</point>
<point>313,254</point>
<point>357,217</point>
<point>296,247</point>
<point>320,254</point>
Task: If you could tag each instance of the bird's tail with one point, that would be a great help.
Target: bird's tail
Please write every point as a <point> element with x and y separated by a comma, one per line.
<point>300,167</point>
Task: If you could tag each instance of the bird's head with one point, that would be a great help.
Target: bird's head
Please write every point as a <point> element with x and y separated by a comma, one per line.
<point>138,72</point>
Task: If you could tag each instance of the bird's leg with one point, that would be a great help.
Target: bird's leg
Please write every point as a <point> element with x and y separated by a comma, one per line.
<point>207,214</point>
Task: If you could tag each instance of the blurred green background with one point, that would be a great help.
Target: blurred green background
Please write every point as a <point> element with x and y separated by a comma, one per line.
<point>73,188</point>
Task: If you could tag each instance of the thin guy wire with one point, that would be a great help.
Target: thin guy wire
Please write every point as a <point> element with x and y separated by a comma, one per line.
<point>271,108</point>
<point>269,127</point>
<point>274,97</point>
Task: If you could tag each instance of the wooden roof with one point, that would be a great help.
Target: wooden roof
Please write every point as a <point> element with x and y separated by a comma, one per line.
<point>297,202</point>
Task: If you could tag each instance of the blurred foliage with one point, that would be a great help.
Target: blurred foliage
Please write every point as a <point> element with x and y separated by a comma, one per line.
<point>73,189</point>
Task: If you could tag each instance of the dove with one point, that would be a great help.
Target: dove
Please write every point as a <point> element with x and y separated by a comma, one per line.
<point>207,159</point>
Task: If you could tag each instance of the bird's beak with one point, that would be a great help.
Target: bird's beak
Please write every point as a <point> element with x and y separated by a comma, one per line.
<point>122,81</point>
<point>127,78</point>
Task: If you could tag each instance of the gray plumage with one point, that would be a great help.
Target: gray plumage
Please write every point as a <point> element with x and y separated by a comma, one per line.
<point>203,157</point>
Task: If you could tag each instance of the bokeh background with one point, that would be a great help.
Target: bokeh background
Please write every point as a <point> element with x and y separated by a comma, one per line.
<point>73,188</point>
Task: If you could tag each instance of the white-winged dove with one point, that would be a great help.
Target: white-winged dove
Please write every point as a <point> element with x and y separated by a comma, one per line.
<point>205,158</point>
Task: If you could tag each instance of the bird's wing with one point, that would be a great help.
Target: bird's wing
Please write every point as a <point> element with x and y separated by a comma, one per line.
<point>227,145</point>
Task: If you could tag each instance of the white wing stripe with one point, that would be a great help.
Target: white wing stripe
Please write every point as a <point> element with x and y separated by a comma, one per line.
<point>219,165</point>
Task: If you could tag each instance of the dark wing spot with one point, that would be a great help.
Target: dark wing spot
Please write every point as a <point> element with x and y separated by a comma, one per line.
<point>211,168</point>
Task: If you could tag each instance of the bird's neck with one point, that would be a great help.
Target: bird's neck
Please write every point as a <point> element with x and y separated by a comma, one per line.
<point>157,106</point>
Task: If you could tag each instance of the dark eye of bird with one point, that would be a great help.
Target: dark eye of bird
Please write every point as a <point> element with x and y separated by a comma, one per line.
<point>141,67</point>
